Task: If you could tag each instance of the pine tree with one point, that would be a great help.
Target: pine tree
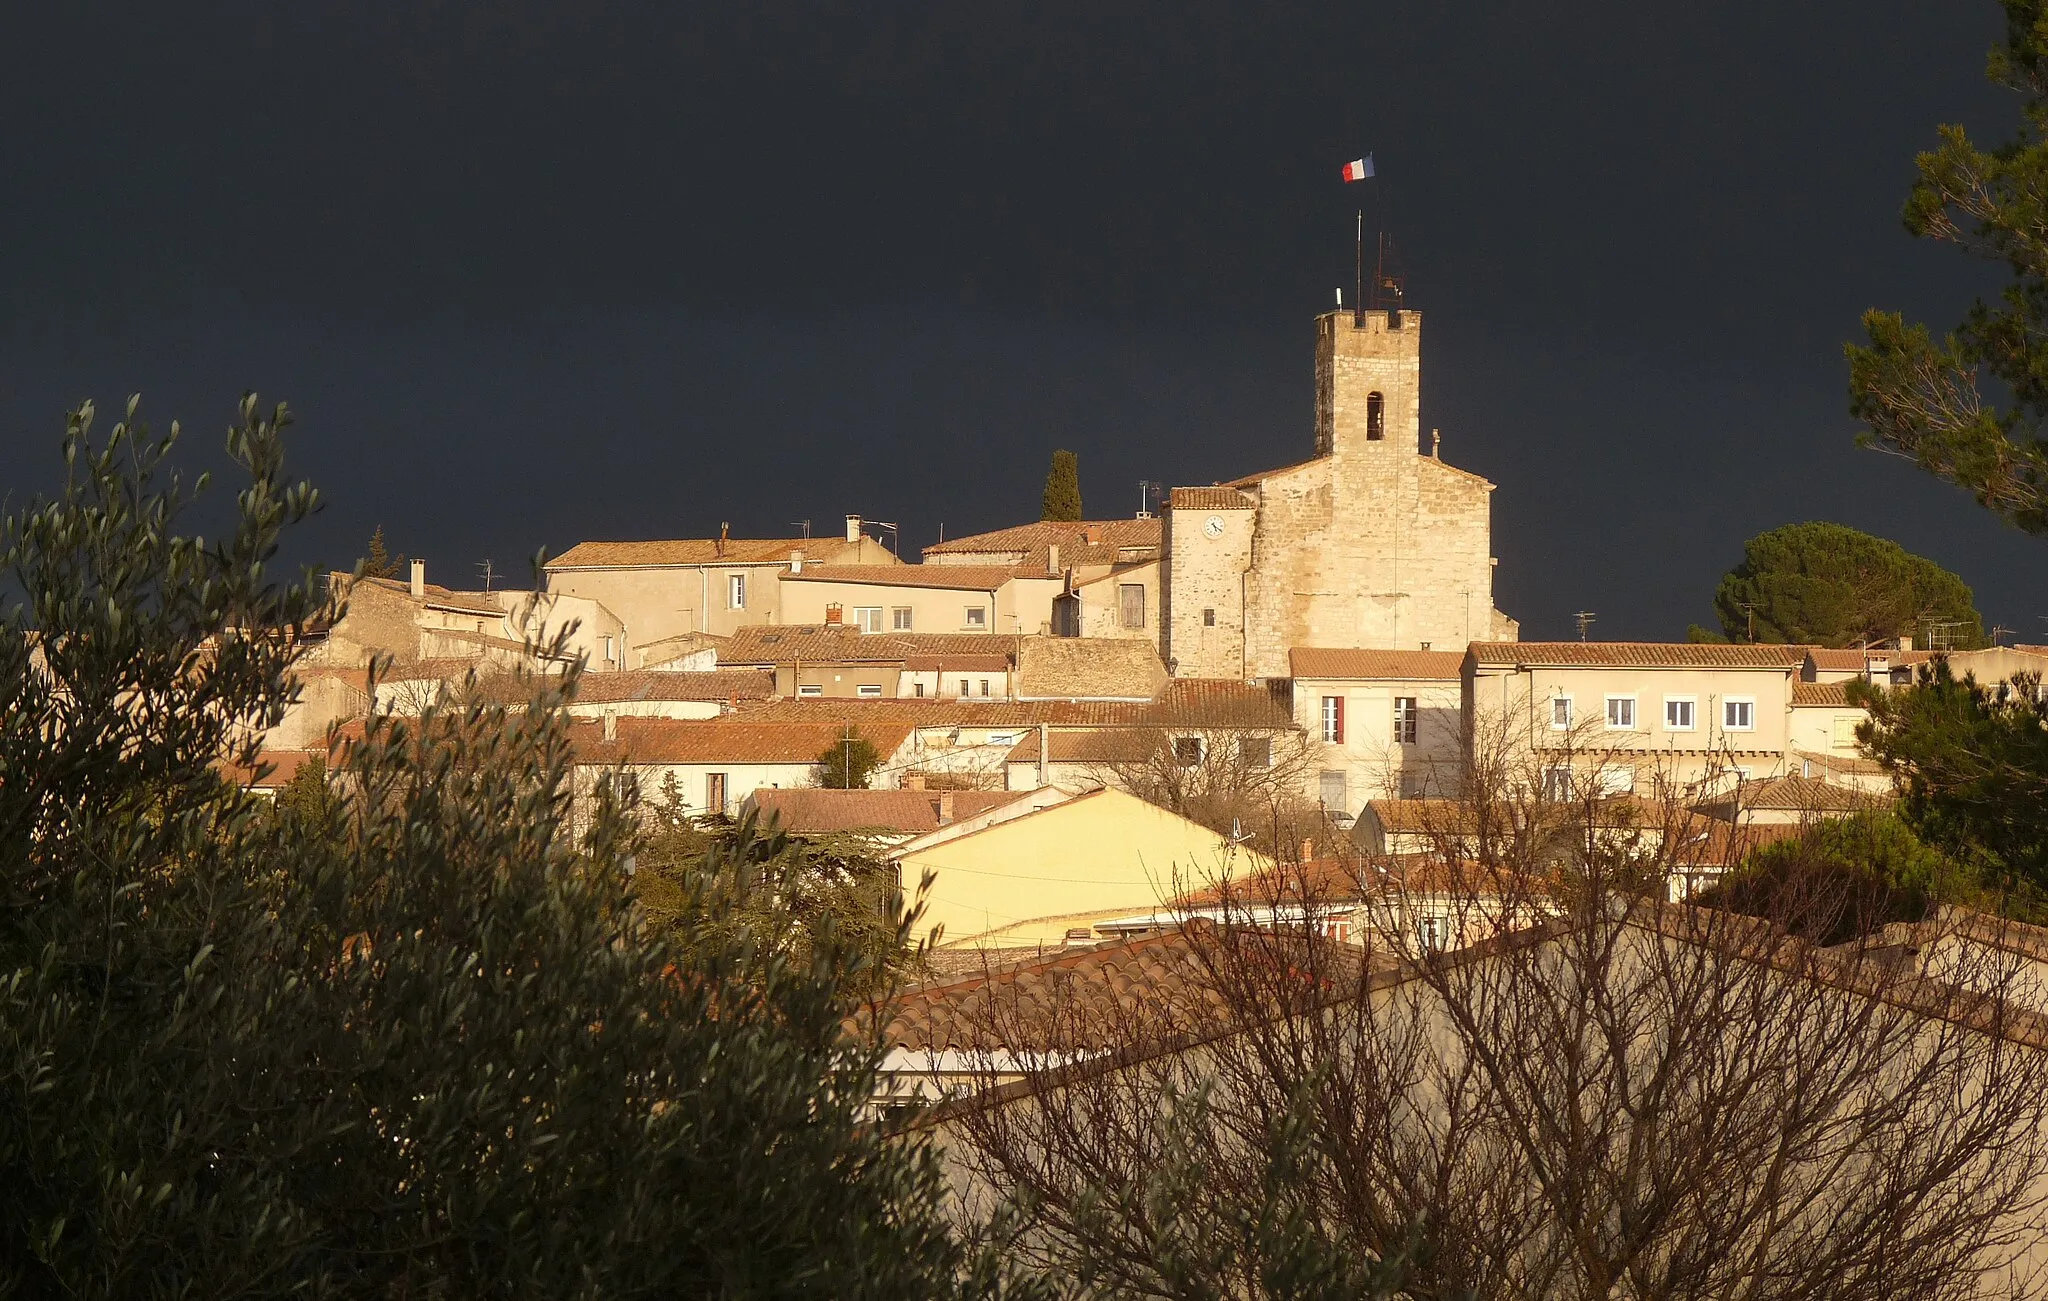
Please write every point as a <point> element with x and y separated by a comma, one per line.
<point>1063,488</point>
<point>380,563</point>
<point>1831,585</point>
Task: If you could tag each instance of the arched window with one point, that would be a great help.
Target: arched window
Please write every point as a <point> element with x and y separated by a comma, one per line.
<point>1375,417</point>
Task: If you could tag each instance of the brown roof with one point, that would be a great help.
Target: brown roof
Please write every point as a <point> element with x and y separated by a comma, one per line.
<point>966,578</point>
<point>468,602</point>
<point>1321,880</point>
<point>1074,998</point>
<point>1088,668</point>
<point>1219,702</point>
<point>1398,665</point>
<point>1852,660</point>
<point>668,740</point>
<point>1084,542</point>
<point>1820,693</point>
<point>661,684</point>
<point>845,644</point>
<point>1104,745</point>
<point>283,765</point>
<point>1808,794</point>
<point>1847,765</point>
<point>812,809</point>
<point>1638,654</point>
<point>1217,498</point>
<point>946,713</point>
<point>698,551</point>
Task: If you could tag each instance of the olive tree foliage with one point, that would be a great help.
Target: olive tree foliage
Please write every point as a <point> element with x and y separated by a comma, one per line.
<point>409,1042</point>
<point>1925,399</point>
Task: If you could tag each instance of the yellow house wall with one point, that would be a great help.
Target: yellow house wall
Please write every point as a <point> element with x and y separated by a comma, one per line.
<point>1096,855</point>
<point>1374,765</point>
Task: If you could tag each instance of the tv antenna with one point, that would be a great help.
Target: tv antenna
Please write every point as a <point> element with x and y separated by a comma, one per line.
<point>1149,493</point>
<point>804,525</point>
<point>894,536</point>
<point>485,567</point>
<point>1584,619</point>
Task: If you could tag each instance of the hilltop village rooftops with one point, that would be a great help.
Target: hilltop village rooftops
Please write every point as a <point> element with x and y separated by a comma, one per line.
<point>1082,543</point>
<point>663,684</point>
<point>1633,654</point>
<point>698,551</point>
<point>844,644</point>
<point>906,812</point>
<point>1376,665</point>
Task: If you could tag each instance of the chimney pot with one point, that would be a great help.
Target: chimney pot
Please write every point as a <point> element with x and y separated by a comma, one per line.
<point>1906,642</point>
<point>835,615</point>
<point>913,781</point>
<point>419,578</point>
<point>853,528</point>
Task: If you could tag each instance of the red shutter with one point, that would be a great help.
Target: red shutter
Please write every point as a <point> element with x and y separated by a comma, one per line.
<point>1340,720</point>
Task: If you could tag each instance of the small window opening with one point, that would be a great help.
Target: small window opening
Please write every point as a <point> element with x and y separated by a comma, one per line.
<point>1375,417</point>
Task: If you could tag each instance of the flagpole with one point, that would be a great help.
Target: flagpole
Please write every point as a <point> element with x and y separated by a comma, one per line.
<point>1358,276</point>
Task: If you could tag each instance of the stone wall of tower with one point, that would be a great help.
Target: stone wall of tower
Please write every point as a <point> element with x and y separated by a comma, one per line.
<point>1208,550</point>
<point>1372,544</point>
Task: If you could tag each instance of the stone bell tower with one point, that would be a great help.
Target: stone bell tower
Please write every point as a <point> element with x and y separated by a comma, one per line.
<point>1368,382</point>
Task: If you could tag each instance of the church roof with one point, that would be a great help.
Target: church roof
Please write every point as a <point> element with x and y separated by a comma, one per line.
<point>1217,498</point>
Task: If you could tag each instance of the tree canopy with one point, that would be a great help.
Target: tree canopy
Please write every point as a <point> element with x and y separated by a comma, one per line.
<point>1831,585</point>
<point>414,1040</point>
<point>1063,487</point>
<point>849,762</point>
<point>1922,399</point>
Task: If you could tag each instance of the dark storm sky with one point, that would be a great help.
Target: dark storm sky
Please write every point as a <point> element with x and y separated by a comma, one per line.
<point>537,273</point>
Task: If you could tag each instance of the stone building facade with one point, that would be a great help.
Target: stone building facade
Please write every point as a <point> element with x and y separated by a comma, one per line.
<point>1374,543</point>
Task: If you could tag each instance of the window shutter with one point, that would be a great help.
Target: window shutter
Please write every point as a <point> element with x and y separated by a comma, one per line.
<point>1340,720</point>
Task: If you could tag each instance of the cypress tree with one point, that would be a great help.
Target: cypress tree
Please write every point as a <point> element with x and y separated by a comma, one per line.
<point>1063,488</point>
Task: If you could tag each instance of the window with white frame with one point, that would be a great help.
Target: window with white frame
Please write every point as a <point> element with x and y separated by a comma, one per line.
<point>984,686</point>
<point>1429,931</point>
<point>1738,714</point>
<point>899,618</point>
<point>1621,713</point>
<point>810,689</point>
<point>869,690</point>
<point>963,689</point>
<point>735,591</point>
<point>868,618</point>
<point>1679,713</point>
<point>1333,719</point>
<point>1617,779</point>
<point>1560,713</point>
<point>977,616</point>
<point>1406,720</point>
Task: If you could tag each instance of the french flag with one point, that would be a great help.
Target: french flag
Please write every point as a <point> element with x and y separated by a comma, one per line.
<point>1359,170</point>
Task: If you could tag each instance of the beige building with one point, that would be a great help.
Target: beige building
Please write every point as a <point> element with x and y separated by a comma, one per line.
<point>1372,543</point>
<point>712,766</point>
<point>1110,571</point>
<point>1382,723</point>
<point>921,598</point>
<point>663,590</point>
<point>1653,718</point>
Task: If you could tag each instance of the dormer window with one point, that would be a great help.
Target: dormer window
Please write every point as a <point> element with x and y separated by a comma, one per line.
<point>1375,417</point>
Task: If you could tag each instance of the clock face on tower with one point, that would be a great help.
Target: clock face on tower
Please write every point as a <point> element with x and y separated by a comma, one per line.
<point>1214,528</point>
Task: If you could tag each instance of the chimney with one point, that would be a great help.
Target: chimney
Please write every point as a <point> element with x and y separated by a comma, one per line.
<point>1044,755</point>
<point>1308,851</point>
<point>835,614</point>
<point>853,528</point>
<point>945,808</point>
<point>1906,642</point>
<point>1052,559</point>
<point>719,546</point>
<point>419,578</point>
<point>913,781</point>
<point>611,725</point>
<point>796,562</point>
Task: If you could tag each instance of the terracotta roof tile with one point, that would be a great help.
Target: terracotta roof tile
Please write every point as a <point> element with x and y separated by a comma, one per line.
<point>468,602</point>
<point>1219,702</point>
<point>1852,660</point>
<point>811,809</point>
<point>843,644</point>
<point>662,684</point>
<point>1217,498</point>
<point>1365,665</point>
<point>700,551</point>
<point>1083,543</point>
<point>1081,668</point>
<point>1629,654</point>
<point>1808,794</point>
<point>1099,745</point>
<point>1820,693</point>
<point>1841,764</point>
<point>667,740</point>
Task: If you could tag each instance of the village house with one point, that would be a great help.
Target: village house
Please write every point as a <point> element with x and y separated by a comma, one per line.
<point>1110,571</point>
<point>922,598</point>
<point>1663,720</point>
<point>837,661</point>
<point>666,589</point>
<point>1383,723</point>
<point>886,817</point>
<point>711,766</point>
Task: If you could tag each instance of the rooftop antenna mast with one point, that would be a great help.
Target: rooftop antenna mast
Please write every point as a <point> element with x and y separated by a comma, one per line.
<point>1358,276</point>
<point>1149,491</point>
<point>485,566</point>
<point>1584,619</point>
<point>803,524</point>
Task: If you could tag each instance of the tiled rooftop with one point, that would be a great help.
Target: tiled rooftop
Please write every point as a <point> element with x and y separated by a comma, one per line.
<point>1369,665</point>
<point>914,812</point>
<point>660,684</point>
<point>1081,543</point>
<point>1820,693</point>
<point>1637,654</point>
<point>1217,498</point>
<point>947,713</point>
<point>845,644</point>
<point>965,578</point>
<point>698,551</point>
<point>679,741</point>
<point>1108,745</point>
<point>1834,660</point>
<point>1079,668</point>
